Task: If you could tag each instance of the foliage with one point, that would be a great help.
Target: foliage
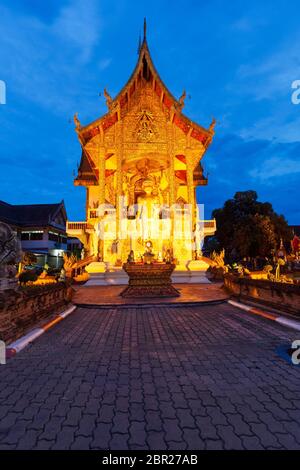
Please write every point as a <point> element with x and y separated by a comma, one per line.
<point>29,259</point>
<point>249,228</point>
<point>27,276</point>
<point>210,245</point>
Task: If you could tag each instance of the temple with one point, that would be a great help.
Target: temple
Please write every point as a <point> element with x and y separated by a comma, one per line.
<point>141,164</point>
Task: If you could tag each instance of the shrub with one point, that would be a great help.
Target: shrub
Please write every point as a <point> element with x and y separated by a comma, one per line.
<point>27,276</point>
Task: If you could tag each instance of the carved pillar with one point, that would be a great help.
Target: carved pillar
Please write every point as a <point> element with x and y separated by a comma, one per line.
<point>190,191</point>
<point>101,194</point>
<point>119,184</point>
<point>87,203</point>
<point>190,184</point>
<point>101,166</point>
<point>172,195</point>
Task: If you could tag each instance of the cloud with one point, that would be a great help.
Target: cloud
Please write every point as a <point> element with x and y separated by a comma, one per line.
<point>44,62</point>
<point>246,24</point>
<point>276,167</point>
<point>104,63</point>
<point>272,75</point>
<point>238,164</point>
<point>80,24</point>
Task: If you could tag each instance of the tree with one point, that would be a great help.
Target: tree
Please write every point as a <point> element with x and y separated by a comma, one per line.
<point>249,228</point>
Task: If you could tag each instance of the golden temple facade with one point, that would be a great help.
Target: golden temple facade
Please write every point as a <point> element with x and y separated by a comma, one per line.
<point>144,153</point>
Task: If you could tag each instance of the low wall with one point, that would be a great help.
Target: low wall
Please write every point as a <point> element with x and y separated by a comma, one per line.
<point>284,297</point>
<point>22,309</point>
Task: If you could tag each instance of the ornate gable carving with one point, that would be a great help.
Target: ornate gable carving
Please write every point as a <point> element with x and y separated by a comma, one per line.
<point>145,130</point>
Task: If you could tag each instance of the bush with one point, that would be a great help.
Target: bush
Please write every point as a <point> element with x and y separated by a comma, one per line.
<point>27,276</point>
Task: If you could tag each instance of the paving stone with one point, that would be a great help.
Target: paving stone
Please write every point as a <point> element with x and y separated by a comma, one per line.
<point>73,416</point>
<point>120,423</point>
<point>287,441</point>
<point>15,432</point>
<point>43,444</point>
<point>87,424</point>
<point>102,436</point>
<point>206,428</point>
<point>153,378</point>
<point>185,419</point>
<point>138,435</point>
<point>193,439</point>
<point>251,443</point>
<point>64,438</point>
<point>81,443</point>
<point>52,428</point>
<point>239,425</point>
<point>266,438</point>
<point>211,444</point>
<point>230,439</point>
<point>119,441</point>
<point>156,440</point>
<point>106,414</point>
<point>172,430</point>
<point>29,440</point>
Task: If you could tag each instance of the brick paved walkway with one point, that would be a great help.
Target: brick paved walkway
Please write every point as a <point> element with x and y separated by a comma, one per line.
<point>161,378</point>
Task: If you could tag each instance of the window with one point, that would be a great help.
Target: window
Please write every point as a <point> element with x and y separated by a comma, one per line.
<point>35,235</point>
<point>53,237</point>
<point>25,236</point>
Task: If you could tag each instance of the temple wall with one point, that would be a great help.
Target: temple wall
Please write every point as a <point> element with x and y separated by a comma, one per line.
<point>22,309</point>
<point>285,297</point>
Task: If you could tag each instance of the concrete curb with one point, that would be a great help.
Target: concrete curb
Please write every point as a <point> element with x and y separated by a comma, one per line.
<point>17,346</point>
<point>150,305</point>
<point>270,316</point>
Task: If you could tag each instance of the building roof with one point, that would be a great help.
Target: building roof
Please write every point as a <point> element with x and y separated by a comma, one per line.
<point>28,215</point>
<point>87,174</point>
<point>144,68</point>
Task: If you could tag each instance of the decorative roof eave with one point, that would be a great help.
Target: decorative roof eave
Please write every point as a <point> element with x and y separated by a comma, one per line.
<point>193,129</point>
<point>144,51</point>
<point>87,173</point>
<point>196,131</point>
<point>86,133</point>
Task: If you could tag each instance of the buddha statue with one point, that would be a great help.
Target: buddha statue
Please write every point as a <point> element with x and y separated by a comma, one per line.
<point>147,200</point>
<point>148,209</point>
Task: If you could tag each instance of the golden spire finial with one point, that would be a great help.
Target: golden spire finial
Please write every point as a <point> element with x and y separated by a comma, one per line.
<point>212,124</point>
<point>77,122</point>
<point>109,100</point>
<point>145,28</point>
<point>181,99</point>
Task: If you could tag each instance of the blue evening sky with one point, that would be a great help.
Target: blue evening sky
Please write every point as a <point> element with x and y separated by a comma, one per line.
<point>236,60</point>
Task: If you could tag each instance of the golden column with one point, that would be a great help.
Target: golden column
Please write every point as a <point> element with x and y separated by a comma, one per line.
<point>170,137</point>
<point>190,190</point>
<point>101,181</point>
<point>119,184</point>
